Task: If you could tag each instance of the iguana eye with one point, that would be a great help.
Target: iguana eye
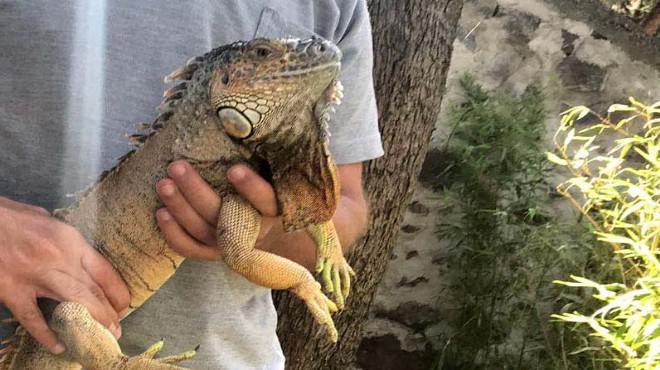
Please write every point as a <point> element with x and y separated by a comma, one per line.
<point>235,123</point>
<point>262,52</point>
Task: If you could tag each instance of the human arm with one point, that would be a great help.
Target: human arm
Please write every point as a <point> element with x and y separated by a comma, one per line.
<point>42,257</point>
<point>191,210</point>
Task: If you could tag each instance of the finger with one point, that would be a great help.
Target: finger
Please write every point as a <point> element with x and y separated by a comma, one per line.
<point>179,240</point>
<point>183,212</point>
<point>85,291</point>
<point>203,199</point>
<point>16,206</point>
<point>107,278</point>
<point>254,188</point>
<point>29,315</point>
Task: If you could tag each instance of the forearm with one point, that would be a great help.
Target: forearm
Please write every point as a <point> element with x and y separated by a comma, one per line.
<point>350,220</point>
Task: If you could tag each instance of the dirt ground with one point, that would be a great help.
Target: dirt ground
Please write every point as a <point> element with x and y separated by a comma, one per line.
<point>617,28</point>
<point>582,54</point>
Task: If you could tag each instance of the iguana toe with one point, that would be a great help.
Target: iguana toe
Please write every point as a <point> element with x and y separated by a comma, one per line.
<point>336,276</point>
<point>319,305</point>
<point>93,346</point>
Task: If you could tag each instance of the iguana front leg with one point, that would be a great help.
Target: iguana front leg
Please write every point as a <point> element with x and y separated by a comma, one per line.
<point>330,261</point>
<point>90,344</point>
<point>238,229</point>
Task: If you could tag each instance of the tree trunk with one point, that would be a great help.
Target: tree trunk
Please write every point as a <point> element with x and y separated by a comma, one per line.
<point>412,47</point>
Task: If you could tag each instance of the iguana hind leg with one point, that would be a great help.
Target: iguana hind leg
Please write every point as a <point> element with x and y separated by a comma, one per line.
<point>90,344</point>
<point>238,229</point>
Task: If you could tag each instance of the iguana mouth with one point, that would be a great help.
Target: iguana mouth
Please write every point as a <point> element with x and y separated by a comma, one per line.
<point>304,71</point>
<point>308,57</point>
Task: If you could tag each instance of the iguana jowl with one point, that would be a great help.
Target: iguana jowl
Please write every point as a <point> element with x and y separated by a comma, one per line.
<point>265,103</point>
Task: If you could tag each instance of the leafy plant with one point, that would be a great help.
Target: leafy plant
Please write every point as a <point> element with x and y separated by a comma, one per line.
<point>615,184</point>
<point>505,248</point>
<point>635,9</point>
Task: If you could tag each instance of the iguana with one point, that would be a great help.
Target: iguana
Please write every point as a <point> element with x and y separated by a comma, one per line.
<point>265,103</point>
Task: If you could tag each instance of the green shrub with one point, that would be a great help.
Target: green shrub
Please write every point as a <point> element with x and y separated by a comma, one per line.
<point>504,247</point>
<point>635,9</point>
<point>615,184</point>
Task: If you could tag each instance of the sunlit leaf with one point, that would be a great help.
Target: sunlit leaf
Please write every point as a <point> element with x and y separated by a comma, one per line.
<point>555,159</point>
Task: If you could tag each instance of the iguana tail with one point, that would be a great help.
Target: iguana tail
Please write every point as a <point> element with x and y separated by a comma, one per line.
<point>8,345</point>
<point>24,353</point>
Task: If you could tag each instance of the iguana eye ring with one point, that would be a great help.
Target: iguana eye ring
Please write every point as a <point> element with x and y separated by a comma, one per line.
<point>235,123</point>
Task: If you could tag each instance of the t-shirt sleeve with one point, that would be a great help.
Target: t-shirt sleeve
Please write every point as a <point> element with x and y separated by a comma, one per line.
<point>354,128</point>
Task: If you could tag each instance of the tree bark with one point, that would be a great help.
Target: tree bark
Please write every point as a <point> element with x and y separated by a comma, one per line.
<point>412,50</point>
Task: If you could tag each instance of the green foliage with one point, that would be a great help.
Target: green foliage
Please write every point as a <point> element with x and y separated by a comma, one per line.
<point>505,247</point>
<point>635,9</point>
<point>615,184</point>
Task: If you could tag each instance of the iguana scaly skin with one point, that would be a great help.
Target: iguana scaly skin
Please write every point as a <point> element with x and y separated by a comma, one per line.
<point>265,103</point>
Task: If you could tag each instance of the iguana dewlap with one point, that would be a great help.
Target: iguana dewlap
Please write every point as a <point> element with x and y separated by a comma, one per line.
<point>265,103</point>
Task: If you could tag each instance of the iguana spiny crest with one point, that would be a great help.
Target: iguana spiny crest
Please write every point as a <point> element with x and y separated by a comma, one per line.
<point>274,98</point>
<point>263,102</point>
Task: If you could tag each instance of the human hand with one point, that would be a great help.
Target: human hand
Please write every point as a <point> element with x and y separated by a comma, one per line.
<point>190,217</point>
<point>42,257</point>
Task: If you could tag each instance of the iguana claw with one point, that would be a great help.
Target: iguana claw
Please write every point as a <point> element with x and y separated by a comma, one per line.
<point>319,305</point>
<point>330,262</point>
<point>93,346</point>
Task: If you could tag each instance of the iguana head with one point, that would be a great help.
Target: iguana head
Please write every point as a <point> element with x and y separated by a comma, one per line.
<point>273,96</point>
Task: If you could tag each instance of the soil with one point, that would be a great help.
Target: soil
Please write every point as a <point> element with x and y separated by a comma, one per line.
<point>617,28</point>
<point>582,54</point>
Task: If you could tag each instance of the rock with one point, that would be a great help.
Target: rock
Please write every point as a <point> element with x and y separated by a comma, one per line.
<point>439,259</point>
<point>414,315</point>
<point>598,36</point>
<point>418,208</point>
<point>385,353</point>
<point>490,10</point>
<point>581,76</point>
<point>568,42</point>
<point>467,38</point>
<point>521,26</point>
<point>411,254</point>
<point>409,229</point>
<point>436,161</point>
<point>404,281</point>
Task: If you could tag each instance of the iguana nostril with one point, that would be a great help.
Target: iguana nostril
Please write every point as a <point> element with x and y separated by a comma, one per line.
<point>314,50</point>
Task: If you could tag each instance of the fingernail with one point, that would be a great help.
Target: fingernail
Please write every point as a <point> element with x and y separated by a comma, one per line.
<point>58,349</point>
<point>124,312</point>
<point>164,214</point>
<point>178,170</point>
<point>167,190</point>
<point>115,330</point>
<point>236,174</point>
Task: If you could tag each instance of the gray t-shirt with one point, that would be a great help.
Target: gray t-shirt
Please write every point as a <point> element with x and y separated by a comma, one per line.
<point>75,76</point>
